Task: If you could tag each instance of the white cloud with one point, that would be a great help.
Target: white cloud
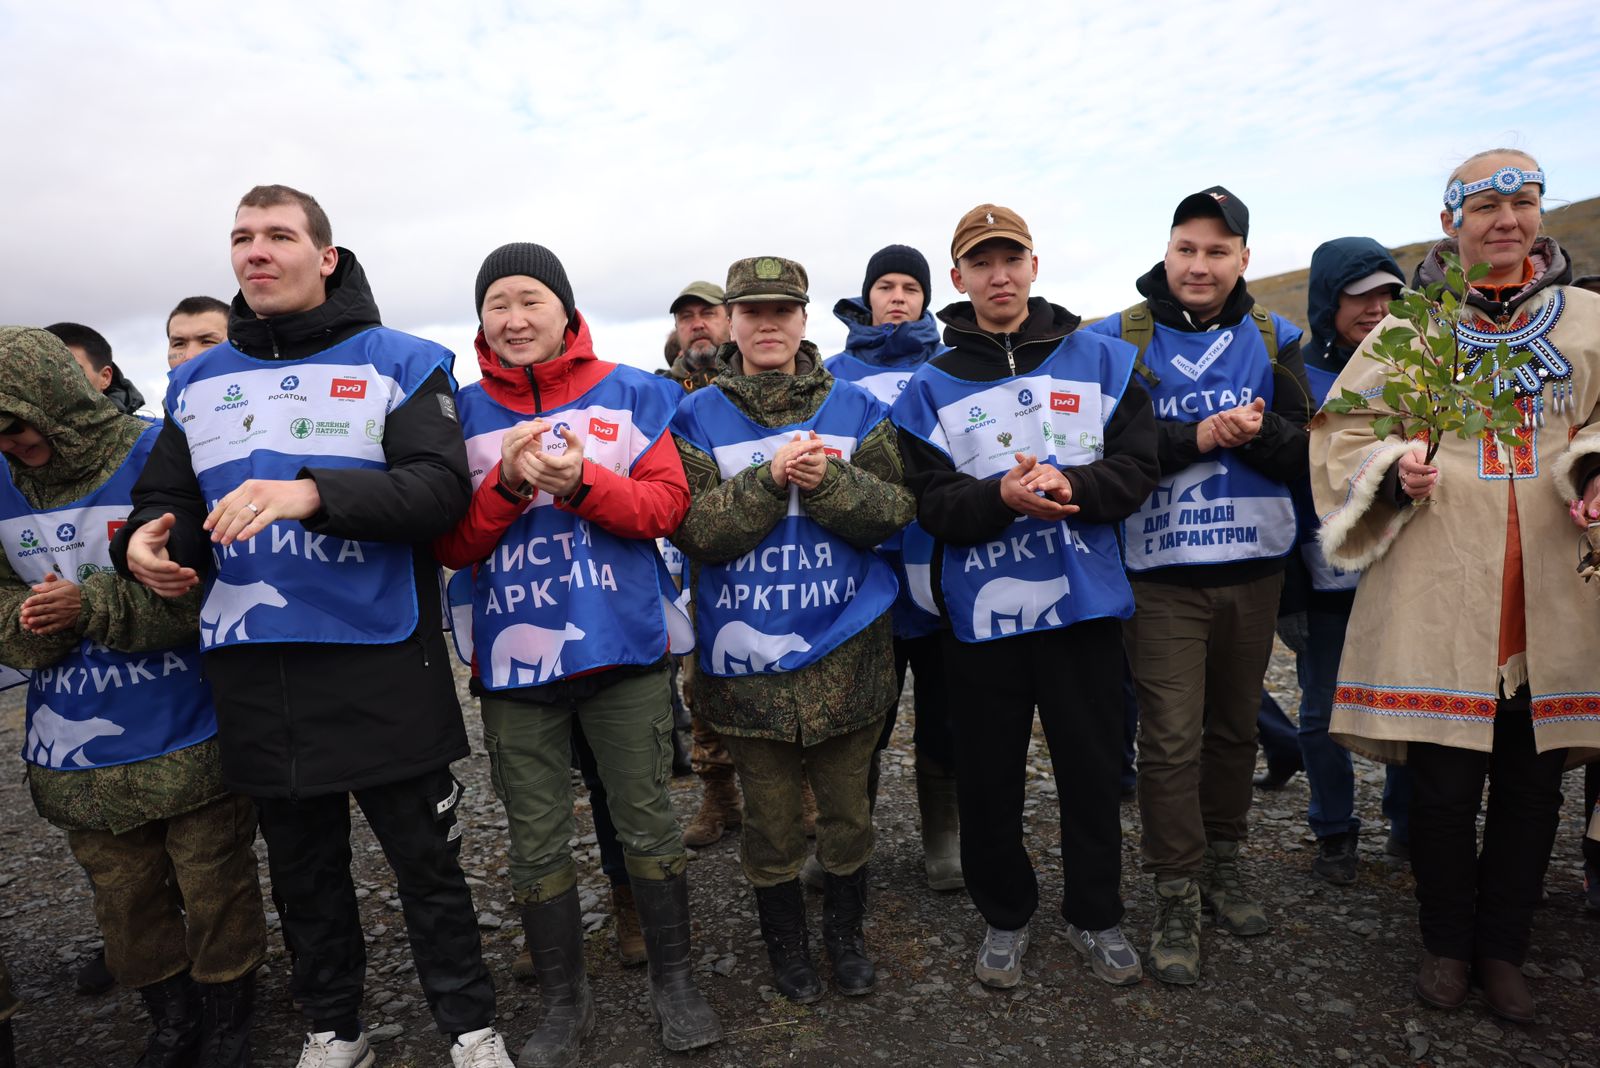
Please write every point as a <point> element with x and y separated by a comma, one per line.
<point>649,144</point>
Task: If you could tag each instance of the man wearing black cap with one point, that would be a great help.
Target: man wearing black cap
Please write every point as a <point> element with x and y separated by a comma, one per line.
<point>1206,554</point>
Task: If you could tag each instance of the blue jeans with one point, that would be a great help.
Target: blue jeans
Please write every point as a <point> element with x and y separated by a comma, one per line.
<point>1280,741</point>
<point>1328,769</point>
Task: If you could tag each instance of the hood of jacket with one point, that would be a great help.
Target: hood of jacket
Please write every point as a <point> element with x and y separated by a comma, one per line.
<point>1045,322</point>
<point>773,398</point>
<point>538,386</point>
<point>906,344</point>
<point>1334,265</point>
<point>1168,310</point>
<point>348,310</point>
<point>41,384</point>
<point>123,393</point>
<point>1550,268</point>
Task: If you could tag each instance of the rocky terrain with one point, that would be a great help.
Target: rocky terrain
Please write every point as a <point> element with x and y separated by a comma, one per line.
<point>1329,986</point>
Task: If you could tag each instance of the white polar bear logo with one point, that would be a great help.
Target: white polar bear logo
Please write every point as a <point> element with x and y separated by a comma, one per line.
<point>1018,604</point>
<point>226,606</point>
<point>53,739</point>
<point>535,652</point>
<point>1186,484</point>
<point>740,649</point>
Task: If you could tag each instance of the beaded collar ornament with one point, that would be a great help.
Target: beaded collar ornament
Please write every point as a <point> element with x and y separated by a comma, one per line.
<point>1547,370</point>
<point>1506,180</point>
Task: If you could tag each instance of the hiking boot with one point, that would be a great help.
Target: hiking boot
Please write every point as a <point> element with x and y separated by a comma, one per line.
<point>844,904</point>
<point>555,937</point>
<point>480,1049</point>
<point>1222,891</point>
<point>1109,954</point>
<point>94,977</point>
<point>1441,981</point>
<point>174,1006</point>
<point>1273,778</point>
<point>630,939</point>
<point>1175,949</point>
<point>812,877</point>
<point>687,1020</point>
<point>226,1012</point>
<point>1505,990</point>
<point>323,1050</point>
<point>941,826</point>
<point>782,909</point>
<point>1335,861</point>
<point>1000,957</point>
<point>808,810</point>
<point>719,809</point>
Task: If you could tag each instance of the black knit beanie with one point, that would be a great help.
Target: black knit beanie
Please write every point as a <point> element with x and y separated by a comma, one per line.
<point>897,259</point>
<point>535,261</point>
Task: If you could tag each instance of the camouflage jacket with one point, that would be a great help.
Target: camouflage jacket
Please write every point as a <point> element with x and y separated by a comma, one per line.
<point>89,439</point>
<point>863,502</point>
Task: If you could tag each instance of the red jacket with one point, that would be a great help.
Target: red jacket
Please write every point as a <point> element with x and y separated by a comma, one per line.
<point>648,502</point>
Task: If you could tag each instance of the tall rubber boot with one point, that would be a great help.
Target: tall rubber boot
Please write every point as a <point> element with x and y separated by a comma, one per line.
<point>844,905</point>
<point>555,937</point>
<point>226,1013</point>
<point>941,825</point>
<point>687,1020</point>
<point>174,1006</point>
<point>783,927</point>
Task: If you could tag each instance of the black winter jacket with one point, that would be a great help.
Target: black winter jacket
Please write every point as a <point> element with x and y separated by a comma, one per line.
<point>298,719</point>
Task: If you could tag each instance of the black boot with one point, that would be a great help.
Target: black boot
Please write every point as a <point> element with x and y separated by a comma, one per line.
<point>555,939</point>
<point>687,1021</point>
<point>94,977</point>
<point>174,1006</point>
<point>783,926</point>
<point>844,902</point>
<point>226,1012</point>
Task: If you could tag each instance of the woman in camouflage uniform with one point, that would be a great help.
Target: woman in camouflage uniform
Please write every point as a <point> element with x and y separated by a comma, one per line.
<point>795,663</point>
<point>120,750</point>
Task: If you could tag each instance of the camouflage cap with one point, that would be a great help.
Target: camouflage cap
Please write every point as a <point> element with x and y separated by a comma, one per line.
<point>704,292</point>
<point>763,278</point>
<point>988,221</point>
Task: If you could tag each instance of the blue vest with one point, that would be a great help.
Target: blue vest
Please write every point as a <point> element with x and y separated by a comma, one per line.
<point>248,418</point>
<point>1040,574</point>
<point>1219,510</point>
<point>97,707</point>
<point>1325,577</point>
<point>804,590</point>
<point>560,595</point>
<point>913,616</point>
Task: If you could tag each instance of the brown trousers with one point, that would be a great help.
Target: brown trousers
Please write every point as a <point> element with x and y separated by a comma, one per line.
<point>1198,657</point>
<point>179,894</point>
<point>709,757</point>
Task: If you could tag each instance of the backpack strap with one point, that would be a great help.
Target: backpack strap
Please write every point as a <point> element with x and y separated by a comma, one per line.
<point>1269,331</point>
<point>1138,330</point>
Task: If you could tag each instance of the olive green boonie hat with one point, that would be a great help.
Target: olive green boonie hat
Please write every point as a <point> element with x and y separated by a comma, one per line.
<point>766,278</point>
<point>705,292</point>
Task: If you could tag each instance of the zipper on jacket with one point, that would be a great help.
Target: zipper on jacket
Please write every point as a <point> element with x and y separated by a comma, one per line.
<point>533,384</point>
<point>288,718</point>
<point>1010,362</point>
<point>273,337</point>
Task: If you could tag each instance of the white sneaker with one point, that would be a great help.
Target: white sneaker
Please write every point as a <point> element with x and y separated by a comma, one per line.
<point>480,1049</point>
<point>1000,957</point>
<point>322,1050</point>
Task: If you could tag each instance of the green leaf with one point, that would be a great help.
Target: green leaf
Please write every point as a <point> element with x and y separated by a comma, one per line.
<point>1393,392</point>
<point>1477,271</point>
<point>1385,425</point>
<point>1474,423</point>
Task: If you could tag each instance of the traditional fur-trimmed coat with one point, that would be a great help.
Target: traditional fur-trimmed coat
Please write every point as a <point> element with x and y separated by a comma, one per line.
<point>1420,660</point>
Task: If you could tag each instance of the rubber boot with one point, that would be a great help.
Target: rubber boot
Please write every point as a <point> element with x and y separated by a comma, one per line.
<point>631,948</point>
<point>555,937</point>
<point>687,1020</point>
<point>226,1012</point>
<point>783,927</point>
<point>941,825</point>
<point>844,903</point>
<point>174,1006</point>
<point>719,809</point>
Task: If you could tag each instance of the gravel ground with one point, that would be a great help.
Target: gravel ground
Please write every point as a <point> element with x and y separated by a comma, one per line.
<point>1330,985</point>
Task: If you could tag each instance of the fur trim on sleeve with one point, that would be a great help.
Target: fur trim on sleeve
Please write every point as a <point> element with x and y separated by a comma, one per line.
<point>1340,524</point>
<point>1562,470</point>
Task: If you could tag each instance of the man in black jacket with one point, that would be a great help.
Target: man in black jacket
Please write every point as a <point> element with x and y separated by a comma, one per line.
<point>1025,443</point>
<point>302,471</point>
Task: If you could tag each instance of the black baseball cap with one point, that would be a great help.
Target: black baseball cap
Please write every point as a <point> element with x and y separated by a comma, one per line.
<point>1218,203</point>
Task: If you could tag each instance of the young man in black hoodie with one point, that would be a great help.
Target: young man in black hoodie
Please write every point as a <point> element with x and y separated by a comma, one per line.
<point>1206,552</point>
<point>302,471</point>
<point>1025,444</point>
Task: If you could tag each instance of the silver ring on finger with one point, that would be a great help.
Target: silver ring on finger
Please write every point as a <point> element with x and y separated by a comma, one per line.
<point>253,509</point>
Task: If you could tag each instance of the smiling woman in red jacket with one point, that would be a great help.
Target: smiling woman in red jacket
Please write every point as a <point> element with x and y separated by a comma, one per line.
<point>574,476</point>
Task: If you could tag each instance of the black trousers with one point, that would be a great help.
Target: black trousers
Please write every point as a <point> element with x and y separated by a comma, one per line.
<point>1073,675</point>
<point>1474,903</point>
<point>308,852</point>
<point>931,734</point>
<point>1591,795</point>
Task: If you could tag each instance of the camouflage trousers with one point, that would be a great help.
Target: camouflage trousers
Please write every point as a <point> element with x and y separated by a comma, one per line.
<point>709,757</point>
<point>178,894</point>
<point>8,1000</point>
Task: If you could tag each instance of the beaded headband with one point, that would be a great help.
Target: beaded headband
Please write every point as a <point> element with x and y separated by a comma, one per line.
<point>1506,180</point>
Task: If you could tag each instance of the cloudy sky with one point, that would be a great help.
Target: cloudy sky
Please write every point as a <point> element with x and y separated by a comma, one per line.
<point>651,144</point>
